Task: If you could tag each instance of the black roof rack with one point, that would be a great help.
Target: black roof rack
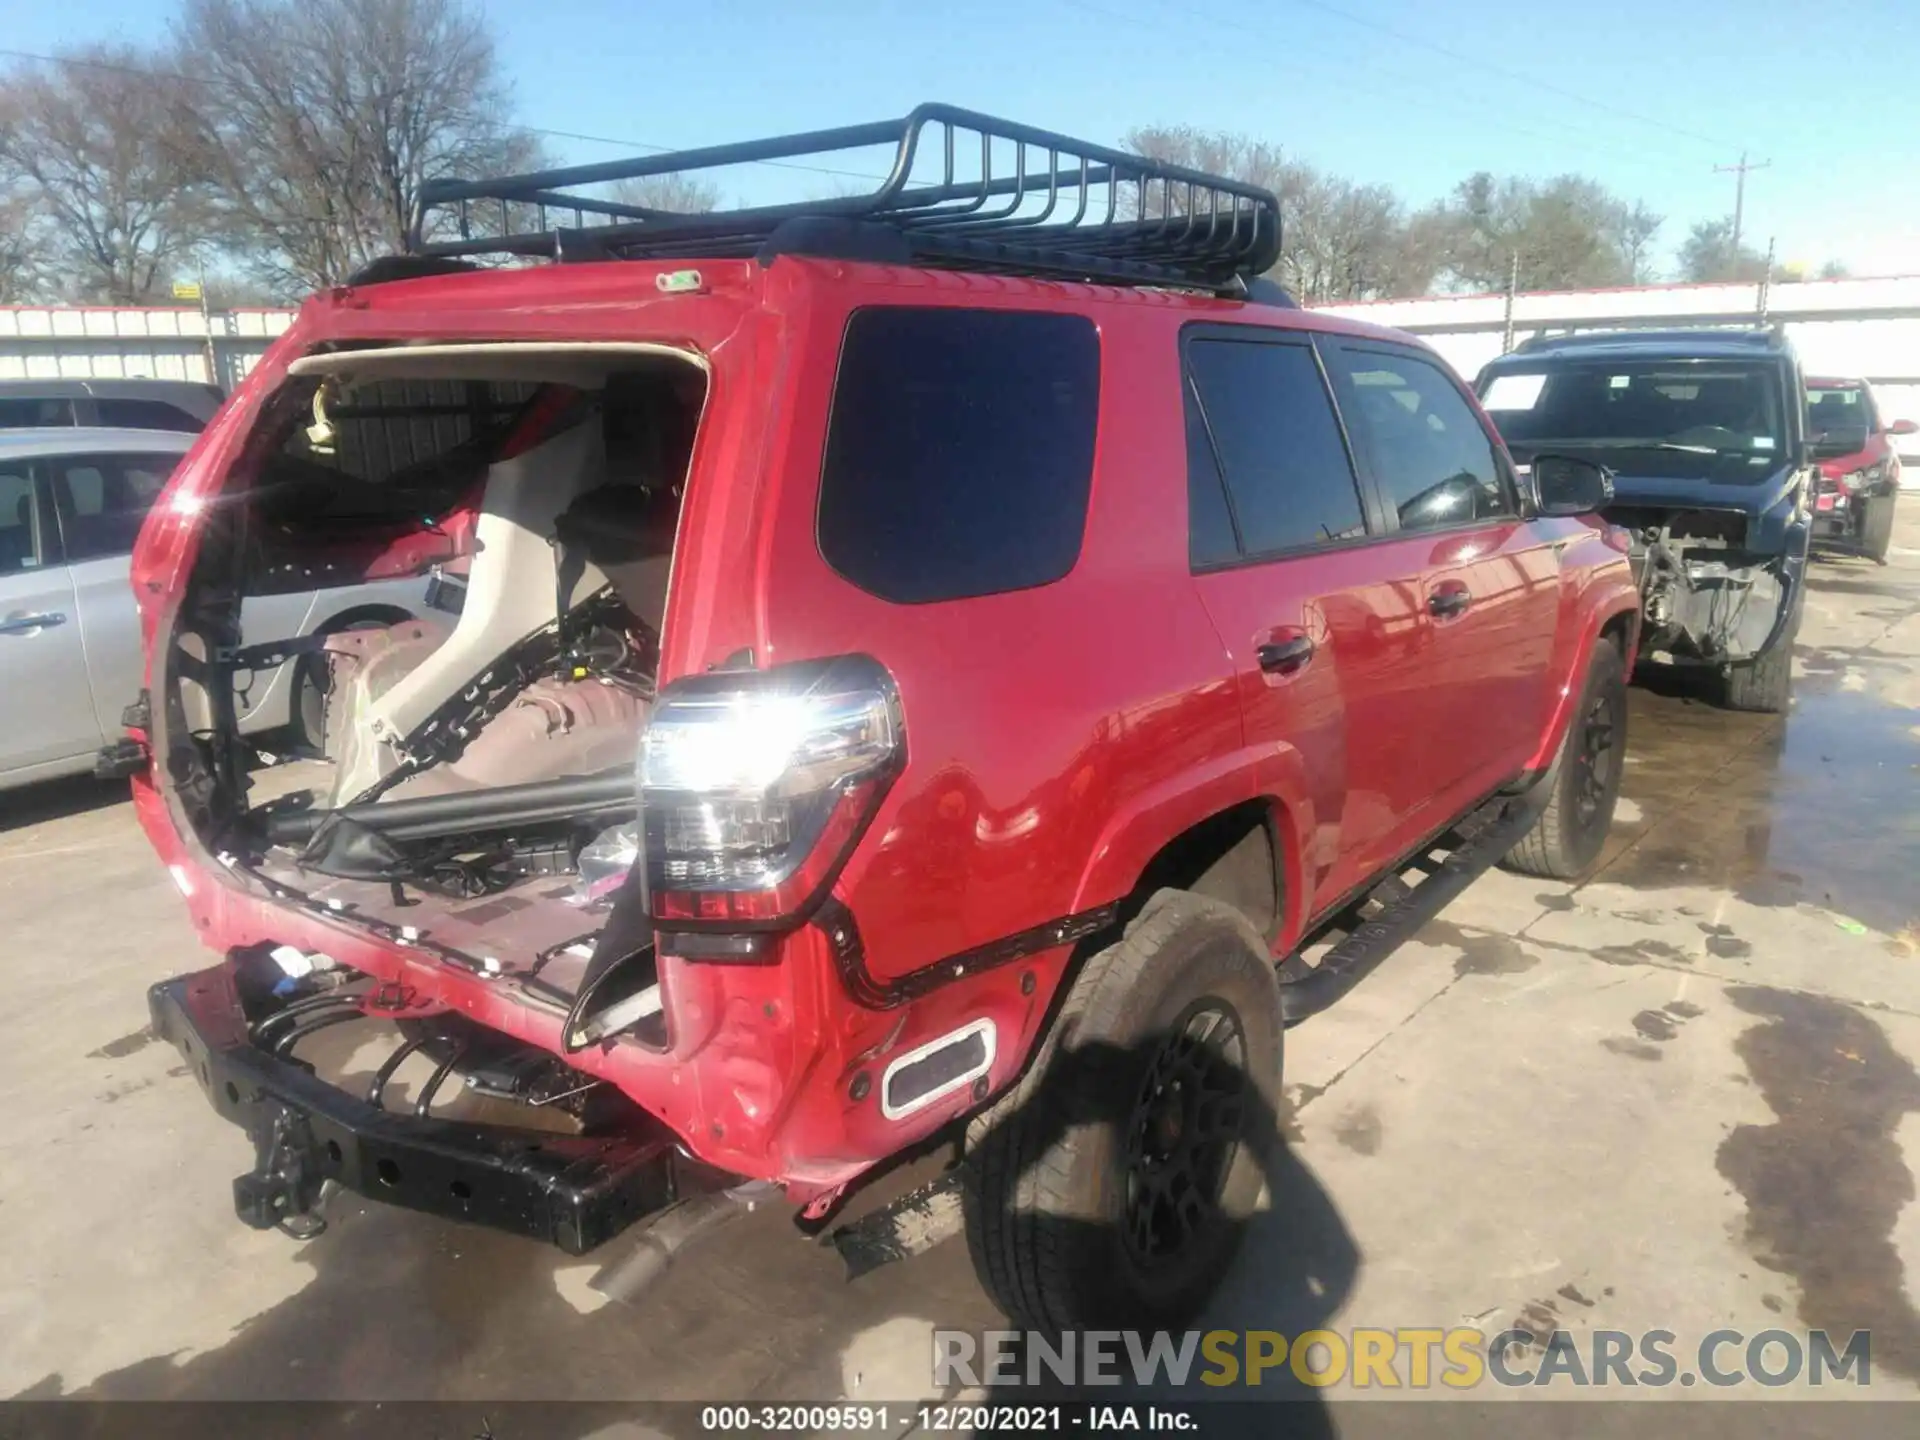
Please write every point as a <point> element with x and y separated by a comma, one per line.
<point>1032,203</point>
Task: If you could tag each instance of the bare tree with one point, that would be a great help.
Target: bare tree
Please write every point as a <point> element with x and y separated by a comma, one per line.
<point>1339,240</point>
<point>92,146</point>
<point>23,247</point>
<point>323,120</point>
<point>675,194</point>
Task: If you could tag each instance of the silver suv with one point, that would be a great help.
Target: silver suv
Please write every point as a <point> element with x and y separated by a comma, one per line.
<point>183,405</point>
<point>71,504</point>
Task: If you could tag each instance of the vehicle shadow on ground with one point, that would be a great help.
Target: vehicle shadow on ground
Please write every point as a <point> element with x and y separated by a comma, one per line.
<point>1692,684</point>
<point>406,1305</point>
<point>1293,1261</point>
<point>1858,579</point>
<point>56,799</point>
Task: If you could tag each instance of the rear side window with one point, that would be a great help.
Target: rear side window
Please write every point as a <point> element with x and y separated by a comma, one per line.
<point>145,415</point>
<point>19,522</point>
<point>1428,451</point>
<point>103,500</point>
<point>960,453</point>
<point>1275,440</point>
<point>24,414</point>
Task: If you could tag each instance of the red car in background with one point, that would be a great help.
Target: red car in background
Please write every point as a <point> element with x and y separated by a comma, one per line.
<point>1858,485</point>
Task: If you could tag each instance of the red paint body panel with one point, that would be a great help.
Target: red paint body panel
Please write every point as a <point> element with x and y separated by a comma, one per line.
<point>1057,738</point>
<point>1878,451</point>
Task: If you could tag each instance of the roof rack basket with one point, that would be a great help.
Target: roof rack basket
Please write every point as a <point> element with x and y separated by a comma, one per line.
<point>1032,203</point>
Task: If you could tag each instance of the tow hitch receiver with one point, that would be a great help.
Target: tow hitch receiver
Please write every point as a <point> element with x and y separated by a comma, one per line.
<point>575,1191</point>
<point>283,1188</point>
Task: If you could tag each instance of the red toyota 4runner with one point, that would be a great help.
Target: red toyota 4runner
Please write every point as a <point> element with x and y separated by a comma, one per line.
<point>1859,481</point>
<point>968,653</point>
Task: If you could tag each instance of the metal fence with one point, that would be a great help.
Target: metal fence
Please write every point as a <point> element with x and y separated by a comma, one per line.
<point>102,342</point>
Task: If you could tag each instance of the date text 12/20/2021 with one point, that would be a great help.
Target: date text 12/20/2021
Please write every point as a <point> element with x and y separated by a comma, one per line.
<point>963,1419</point>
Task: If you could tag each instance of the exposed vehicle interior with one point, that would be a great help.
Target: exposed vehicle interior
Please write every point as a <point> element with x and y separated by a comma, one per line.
<point>475,757</point>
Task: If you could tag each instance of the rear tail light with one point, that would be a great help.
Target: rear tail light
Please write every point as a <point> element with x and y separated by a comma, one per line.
<point>755,787</point>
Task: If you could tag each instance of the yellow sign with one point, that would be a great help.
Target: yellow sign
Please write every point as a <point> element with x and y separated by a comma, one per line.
<point>186,290</point>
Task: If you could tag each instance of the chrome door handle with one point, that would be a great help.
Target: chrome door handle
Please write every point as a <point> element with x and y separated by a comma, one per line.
<point>18,624</point>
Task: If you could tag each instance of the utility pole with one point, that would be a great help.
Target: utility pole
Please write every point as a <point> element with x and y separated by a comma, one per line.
<point>206,325</point>
<point>1513,287</point>
<point>1739,172</point>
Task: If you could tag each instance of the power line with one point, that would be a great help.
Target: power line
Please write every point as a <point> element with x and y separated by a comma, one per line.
<point>1520,76</point>
<point>1363,81</point>
<point>107,65</point>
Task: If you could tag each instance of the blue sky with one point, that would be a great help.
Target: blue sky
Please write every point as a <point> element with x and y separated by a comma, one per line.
<point>1646,96</point>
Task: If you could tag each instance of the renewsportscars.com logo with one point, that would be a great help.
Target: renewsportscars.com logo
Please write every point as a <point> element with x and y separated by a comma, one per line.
<point>1414,1358</point>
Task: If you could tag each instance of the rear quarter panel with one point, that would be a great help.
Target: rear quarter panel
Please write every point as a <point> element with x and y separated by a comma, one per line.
<point>1055,736</point>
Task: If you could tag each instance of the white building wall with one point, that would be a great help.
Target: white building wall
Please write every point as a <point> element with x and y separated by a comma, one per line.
<point>81,342</point>
<point>1867,329</point>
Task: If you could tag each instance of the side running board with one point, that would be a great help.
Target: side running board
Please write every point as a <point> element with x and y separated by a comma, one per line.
<point>1471,847</point>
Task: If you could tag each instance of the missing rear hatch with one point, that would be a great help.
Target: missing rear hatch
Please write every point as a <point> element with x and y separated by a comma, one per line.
<point>470,754</point>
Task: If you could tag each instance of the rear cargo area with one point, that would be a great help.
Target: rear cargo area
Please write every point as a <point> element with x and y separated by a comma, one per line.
<point>466,777</point>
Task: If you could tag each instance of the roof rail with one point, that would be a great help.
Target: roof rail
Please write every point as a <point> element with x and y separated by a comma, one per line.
<point>1627,334</point>
<point>1031,203</point>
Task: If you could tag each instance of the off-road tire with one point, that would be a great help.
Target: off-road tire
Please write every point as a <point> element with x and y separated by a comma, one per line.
<point>1567,835</point>
<point>1766,685</point>
<point>1046,1183</point>
<point>1876,528</point>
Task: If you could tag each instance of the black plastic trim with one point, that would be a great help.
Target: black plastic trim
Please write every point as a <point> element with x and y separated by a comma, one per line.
<point>1487,832</point>
<point>835,921</point>
<point>121,760</point>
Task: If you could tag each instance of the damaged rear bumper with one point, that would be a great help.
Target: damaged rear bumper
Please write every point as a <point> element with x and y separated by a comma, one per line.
<point>573,1191</point>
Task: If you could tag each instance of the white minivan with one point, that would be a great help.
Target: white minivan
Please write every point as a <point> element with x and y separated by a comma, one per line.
<point>71,504</point>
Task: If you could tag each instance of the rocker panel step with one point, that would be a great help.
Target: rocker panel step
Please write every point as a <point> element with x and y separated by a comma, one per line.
<point>1481,840</point>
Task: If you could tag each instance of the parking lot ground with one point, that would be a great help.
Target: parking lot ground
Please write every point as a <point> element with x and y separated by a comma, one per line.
<point>1680,1096</point>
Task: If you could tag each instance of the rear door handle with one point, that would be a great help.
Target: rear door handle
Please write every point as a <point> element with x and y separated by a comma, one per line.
<point>19,624</point>
<point>1448,601</point>
<point>1285,657</point>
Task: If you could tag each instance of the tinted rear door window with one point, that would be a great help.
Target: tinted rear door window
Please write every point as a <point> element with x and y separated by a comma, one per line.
<point>1278,442</point>
<point>960,452</point>
<point>145,415</point>
<point>25,414</point>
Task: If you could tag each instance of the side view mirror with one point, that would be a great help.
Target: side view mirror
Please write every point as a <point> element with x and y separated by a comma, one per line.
<point>1903,427</point>
<point>1568,485</point>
